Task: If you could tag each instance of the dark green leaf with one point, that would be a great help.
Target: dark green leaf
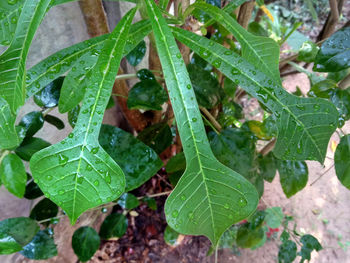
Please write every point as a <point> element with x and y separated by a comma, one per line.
<point>234,148</point>
<point>310,243</point>
<point>175,177</point>
<point>32,122</point>
<point>284,236</point>
<point>293,176</point>
<point>334,54</point>
<point>8,133</point>
<point>147,95</point>
<point>256,29</point>
<point>287,252</point>
<point>267,167</point>
<point>341,99</point>
<point>176,163</point>
<point>30,146</point>
<point>157,136</point>
<point>338,76</point>
<point>138,162</point>
<point>206,86</point>
<point>73,116</point>
<point>274,217</point>
<point>322,89</point>
<point>13,174</point>
<point>342,161</point>
<point>308,52</point>
<point>114,225</point>
<point>85,242</point>
<point>145,74</point>
<point>32,191</point>
<point>136,55</point>
<point>111,103</point>
<point>170,236</point>
<point>48,97</point>
<point>151,202</point>
<point>228,239</point>
<point>128,201</point>
<point>257,219</point>
<point>53,120</point>
<point>199,62</point>
<point>43,210</point>
<point>15,233</point>
<point>247,237</point>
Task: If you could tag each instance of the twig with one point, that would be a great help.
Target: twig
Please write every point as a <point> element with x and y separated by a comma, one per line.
<point>245,13</point>
<point>155,195</point>
<point>211,118</point>
<point>329,168</point>
<point>47,111</point>
<point>345,83</point>
<point>268,147</point>
<point>49,219</point>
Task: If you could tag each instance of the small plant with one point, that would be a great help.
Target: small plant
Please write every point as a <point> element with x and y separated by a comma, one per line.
<point>219,166</point>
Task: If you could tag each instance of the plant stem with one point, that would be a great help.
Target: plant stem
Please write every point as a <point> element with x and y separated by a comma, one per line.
<point>211,118</point>
<point>47,111</point>
<point>155,195</point>
<point>49,219</point>
<point>268,147</point>
<point>329,168</point>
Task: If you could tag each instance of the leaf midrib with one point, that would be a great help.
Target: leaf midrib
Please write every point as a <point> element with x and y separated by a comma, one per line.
<point>188,120</point>
<point>223,58</point>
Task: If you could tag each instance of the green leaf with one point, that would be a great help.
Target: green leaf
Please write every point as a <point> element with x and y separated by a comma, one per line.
<point>83,174</point>
<point>158,137</point>
<point>287,252</point>
<point>41,247</point>
<point>342,161</point>
<point>308,52</point>
<point>147,95</point>
<point>170,236</point>
<point>206,86</point>
<point>247,237</point>
<point>73,116</point>
<point>299,136</point>
<point>113,226</point>
<point>74,87</point>
<point>341,99</point>
<point>8,133</point>
<point>32,122</point>
<point>334,54</point>
<point>85,242</point>
<point>274,217</point>
<point>13,174</point>
<point>30,146</point>
<point>48,97</point>
<point>13,60</point>
<point>259,129</point>
<point>267,167</point>
<point>256,29</point>
<point>128,201</point>
<point>32,191</point>
<point>176,163</point>
<point>136,55</point>
<point>322,89</point>
<point>43,210</point>
<point>57,64</point>
<point>145,74</point>
<point>310,243</point>
<point>15,233</point>
<point>151,203</point>
<point>293,176</point>
<point>263,52</point>
<point>138,162</point>
<point>209,197</point>
<point>53,120</point>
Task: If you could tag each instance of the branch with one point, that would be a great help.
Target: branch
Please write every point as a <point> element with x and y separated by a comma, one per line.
<point>332,19</point>
<point>245,13</point>
<point>345,83</point>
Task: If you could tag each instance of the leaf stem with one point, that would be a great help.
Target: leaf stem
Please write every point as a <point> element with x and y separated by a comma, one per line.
<point>49,219</point>
<point>211,118</point>
<point>47,111</point>
<point>329,168</point>
<point>3,154</point>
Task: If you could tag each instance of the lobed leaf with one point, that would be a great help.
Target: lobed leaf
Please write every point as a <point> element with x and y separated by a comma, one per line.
<point>77,174</point>
<point>209,197</point>
<point>299,136</point>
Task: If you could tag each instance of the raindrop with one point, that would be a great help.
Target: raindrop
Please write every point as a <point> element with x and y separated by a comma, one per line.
<point>242,202</point>
<point>183,197</point>
<point>230,216</point>
<point>11,2</point>
<point>61,192</point>
<point>175,213</point>
<point>62,159</point>
<point>234,71</point>
<point>191,215</point>
<point>108,178</point>
<point>94,150</point>
<point>71,135</point>
<point>217,63</point>
<point>49,177</point>
<point>96,183</point>
<point>239,186</point>
<point>316,107</point>
<point>300,107</point>
<point>89,167</point>
<point>228,52</point>
<point>188,86</point>
<point>227,206</point>
<point>194,119</point>
<point>204,53</point>
<point>178,55</point>
<point>14,20</point>
<point>104,210</point>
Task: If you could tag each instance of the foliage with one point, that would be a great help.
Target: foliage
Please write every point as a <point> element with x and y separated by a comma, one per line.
<point>219,168</point>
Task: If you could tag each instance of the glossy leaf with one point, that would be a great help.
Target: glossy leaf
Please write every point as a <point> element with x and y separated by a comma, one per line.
<point>263,52</point>
<point>256,29</point>
<point>15,233</point>
<point>170,236</point>
<point>41,247</point>
<point>136,55</point>
<point>342,161</point>
<point>32,122</point>
<point>43,210</point>
<point>206,87</point>
<point>53,120</point>
<point>73,116</point>
<point>247,237</point>
<point>310,243</point>
<point>73,88</point>
<point>85,242</point>
<point>209,197</point>
<point>334,54</point>
<point>145,74</point>
<point>113,226</point>
<point>30,146</point>
<point>59,63</point>
<point>138,162</point>
<point>287,252</point>
<point>308,52</point>
<point>176,163</point>
<point>32,191</point>
<point>48,97</point>
<point>299,136</point>
<point>128,201</point>
<point>8,133</point>
<point>341,99</point>
<point>267,167</point>
<point>158,137</point>
<point>293,176</point>
<point>13,60</point>
<point>274,217</point>
<point>147,95</point>
<point>83,174</point>
<point>13,174</point>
